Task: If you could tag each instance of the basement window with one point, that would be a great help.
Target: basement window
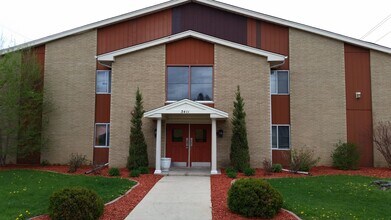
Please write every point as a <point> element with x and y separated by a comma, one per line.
<point>103,81</point>
<point>102,135</point>
<point>280,137</point>
<point>279,82</point>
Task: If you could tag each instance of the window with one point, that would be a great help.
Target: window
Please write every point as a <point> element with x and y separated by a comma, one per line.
<point>194,83</point>
<point>280,137</point>
<point>102,135</point>
<point>279,82</point>
<point>103,81</point>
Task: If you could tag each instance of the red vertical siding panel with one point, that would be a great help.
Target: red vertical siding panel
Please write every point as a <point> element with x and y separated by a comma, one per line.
<point>102,108</point>
<point>359,125</point>
<point>101,155</point>
<point>281,109</point>
<point>359,111</point>
<point>251,32</point>
<point>358,78</point>
<point>132,32</point>
<point>190,51</point>
<point>275,38</point>
<point>40,55</point>
<point>282,157</point>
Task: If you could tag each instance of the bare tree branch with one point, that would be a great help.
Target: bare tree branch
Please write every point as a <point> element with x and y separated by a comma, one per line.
<point>382,139</point>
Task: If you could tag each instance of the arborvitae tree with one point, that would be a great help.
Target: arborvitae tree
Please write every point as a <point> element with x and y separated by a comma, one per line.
<point>240,157</point>
<point>138,155</point>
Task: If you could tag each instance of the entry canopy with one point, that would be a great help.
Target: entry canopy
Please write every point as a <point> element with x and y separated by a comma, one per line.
<point>186,107</point>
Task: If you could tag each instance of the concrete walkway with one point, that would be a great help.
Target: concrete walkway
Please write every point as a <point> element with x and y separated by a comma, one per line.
<point>176,197</point>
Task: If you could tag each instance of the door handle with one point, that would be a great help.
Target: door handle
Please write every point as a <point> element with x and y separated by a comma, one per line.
<point>187,142</point>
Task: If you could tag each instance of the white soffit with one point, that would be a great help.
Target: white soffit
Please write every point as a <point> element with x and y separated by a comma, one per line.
<point>271,57</point>
<point>186,107</point>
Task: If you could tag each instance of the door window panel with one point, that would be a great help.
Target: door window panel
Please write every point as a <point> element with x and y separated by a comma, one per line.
<point>200,135</point>
<point>177,135</point>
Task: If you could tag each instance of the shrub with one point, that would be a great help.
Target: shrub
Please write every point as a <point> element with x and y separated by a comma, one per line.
<point>277,168</point>
<point>75,203</point>
<point>302,160</point>
<point>249,171</point>
<point>135,173</point>
<point>382,139</point>
<point>239,155</point>
<point>144,170</point>
<point>45,163</point>
<point>114,171</point>
<point>267,167</point>
<point>254,198</point>
<point>230,169</point>
<point>76,161</point>
<point>232,174</point>
<point>345,156</point>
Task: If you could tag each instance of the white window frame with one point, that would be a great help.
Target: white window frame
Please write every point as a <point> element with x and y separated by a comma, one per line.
<point>108,78</point>
<point>289,84</point>
<point>189,83</point>
<point>289,131</point>
<point>107,135</point>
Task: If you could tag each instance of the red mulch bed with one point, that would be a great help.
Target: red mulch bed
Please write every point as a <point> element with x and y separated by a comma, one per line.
<point>113,211</point>
<point>220,185</point>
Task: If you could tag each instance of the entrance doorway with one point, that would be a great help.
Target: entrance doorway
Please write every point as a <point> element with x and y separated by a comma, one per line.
<point>189,145</point>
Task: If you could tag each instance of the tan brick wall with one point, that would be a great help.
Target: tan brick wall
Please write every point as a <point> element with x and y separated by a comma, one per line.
<point>381,94</point>
<point>251,72</point>
<point>317,86</point>
<point>144,69</point>
<point>70,83</point>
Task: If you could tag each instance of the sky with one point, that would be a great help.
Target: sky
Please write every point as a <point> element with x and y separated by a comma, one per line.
<point>25,20</point>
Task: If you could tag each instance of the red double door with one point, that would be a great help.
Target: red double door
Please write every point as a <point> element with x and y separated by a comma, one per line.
<point>189,144</point>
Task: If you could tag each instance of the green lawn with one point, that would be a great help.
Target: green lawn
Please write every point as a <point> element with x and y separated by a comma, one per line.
<point>28,190</point>
<point>334,197</point>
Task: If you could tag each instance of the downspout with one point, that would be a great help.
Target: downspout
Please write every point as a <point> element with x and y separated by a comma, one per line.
<point>104,64</point>
<point>271,122</point>
<point>278,65</point>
